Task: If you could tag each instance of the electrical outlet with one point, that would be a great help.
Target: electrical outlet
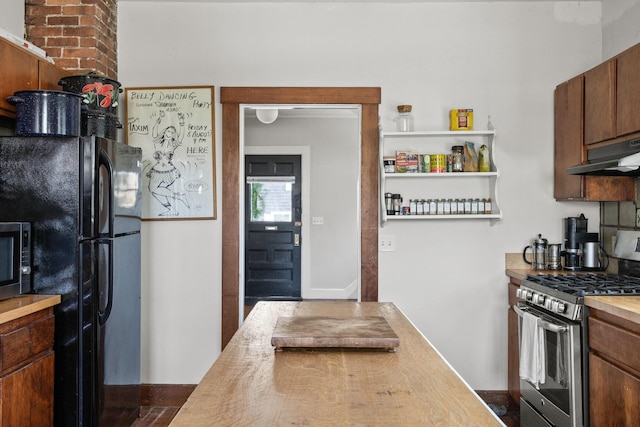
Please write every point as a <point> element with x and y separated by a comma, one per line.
<point>387,243</point>
<point>317,220</point>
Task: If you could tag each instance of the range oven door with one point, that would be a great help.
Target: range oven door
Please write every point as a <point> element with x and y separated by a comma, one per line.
<point>559,398</point>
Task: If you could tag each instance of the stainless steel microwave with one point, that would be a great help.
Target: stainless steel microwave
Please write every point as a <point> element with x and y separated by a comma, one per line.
<point>15,259</point>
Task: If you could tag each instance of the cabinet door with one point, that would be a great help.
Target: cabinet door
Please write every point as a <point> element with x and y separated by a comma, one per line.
<point>49,75</point>
<point>613,394</point>
<point>19,72</point>
<point>27,394</point>
<point>599,103</point>
<point>628,92</point>
<point>568,149</point>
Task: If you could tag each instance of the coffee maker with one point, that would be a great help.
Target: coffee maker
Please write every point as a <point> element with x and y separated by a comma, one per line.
<point>576,238</point>
<point>575,234</point>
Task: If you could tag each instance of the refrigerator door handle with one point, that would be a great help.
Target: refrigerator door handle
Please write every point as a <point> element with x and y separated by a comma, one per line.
<point>105,162</point>
<point>104,308</point>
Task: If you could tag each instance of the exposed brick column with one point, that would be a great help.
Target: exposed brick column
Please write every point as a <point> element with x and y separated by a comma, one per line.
<point>80,35</point>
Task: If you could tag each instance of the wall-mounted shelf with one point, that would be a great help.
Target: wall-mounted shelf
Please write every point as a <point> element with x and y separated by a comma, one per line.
<point>438,185</point>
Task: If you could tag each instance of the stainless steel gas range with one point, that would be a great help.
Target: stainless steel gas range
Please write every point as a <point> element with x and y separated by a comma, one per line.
<point>554,337</point>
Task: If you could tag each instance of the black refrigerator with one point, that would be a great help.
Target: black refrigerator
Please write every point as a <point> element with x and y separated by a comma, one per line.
<point>82,197</point>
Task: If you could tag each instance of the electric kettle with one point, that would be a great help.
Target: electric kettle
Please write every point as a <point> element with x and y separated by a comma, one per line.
<point>538,247</point>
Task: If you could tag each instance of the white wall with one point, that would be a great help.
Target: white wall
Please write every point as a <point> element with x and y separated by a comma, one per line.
<point>12,17</point>
<point>620,26</point>
<point>502,59</point>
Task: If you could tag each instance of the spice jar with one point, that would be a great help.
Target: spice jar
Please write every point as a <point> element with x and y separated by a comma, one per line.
<point>487,206</point>
<point>405,119</point>
<point>457,162</point>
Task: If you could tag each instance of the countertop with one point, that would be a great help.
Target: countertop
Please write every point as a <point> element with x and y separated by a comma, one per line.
<point>251,384</point>
<point>24,305</point>
<point>622,306</point>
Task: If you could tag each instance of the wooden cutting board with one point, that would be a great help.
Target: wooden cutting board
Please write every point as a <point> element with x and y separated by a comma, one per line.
<point>334,332</point>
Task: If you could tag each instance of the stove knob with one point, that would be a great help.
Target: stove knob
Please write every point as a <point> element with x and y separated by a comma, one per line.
<point>519,293</point>
<point>529,295</point>
<point>554,305</point>
<point>562,307</point>
<point>548,304</point>
<point>539,299</point>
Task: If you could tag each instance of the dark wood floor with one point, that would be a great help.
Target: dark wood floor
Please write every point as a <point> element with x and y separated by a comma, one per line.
<point>161,416</point>
<point>156,416</point>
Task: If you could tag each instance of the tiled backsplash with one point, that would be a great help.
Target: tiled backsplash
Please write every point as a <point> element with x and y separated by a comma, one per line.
<point>616,216</point>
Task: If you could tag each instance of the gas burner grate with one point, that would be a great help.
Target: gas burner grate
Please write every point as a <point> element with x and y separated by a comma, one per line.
<point>589,284</point>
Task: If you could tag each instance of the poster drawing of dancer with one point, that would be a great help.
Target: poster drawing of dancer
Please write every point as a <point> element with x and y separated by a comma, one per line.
<point>175,129</point>
<point>164,173</point>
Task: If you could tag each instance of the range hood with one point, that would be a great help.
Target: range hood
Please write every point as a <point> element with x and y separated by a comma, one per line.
<point>620,158</point>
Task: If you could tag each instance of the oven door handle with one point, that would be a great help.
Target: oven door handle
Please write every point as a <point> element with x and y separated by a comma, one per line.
<point>558,329</point>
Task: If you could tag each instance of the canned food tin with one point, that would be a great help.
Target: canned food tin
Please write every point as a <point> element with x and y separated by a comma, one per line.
<point>426,163</point>
<point>438,163</point>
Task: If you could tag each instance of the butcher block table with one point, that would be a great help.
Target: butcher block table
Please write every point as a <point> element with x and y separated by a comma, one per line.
<point>251,384</point>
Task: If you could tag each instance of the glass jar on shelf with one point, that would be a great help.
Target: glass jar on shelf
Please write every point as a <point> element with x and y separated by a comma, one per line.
<point>457,160</point>
<point>404,121</point>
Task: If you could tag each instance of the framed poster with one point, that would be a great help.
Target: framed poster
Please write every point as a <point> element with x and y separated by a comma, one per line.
<point>174,126</point>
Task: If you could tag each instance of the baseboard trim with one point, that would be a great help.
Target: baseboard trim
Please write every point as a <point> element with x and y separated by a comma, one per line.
<point>165,394</point>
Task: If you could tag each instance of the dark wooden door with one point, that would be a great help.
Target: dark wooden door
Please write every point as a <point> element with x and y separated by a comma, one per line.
<point>272,228</point>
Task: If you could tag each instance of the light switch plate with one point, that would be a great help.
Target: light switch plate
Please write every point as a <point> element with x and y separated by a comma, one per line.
<point>387,243</point>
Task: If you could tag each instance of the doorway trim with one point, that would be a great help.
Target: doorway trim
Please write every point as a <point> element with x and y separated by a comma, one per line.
<point>231,98</point>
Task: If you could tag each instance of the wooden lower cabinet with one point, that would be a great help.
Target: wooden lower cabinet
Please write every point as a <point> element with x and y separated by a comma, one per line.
<point>513,356</point>
<point>613,394</point>
<point>614,370</point>
<point>27,394</point>
<point>27,370</point>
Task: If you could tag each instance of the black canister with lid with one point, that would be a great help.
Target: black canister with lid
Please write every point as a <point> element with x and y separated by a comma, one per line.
<point>388,202</point>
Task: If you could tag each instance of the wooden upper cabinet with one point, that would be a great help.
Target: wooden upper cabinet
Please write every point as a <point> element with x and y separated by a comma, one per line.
<point>22,70</point>
<point>600,103</point>
<point>19,72</point>
<point>628,91</point>
<point>568,149</point>
<point>49,75</point>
